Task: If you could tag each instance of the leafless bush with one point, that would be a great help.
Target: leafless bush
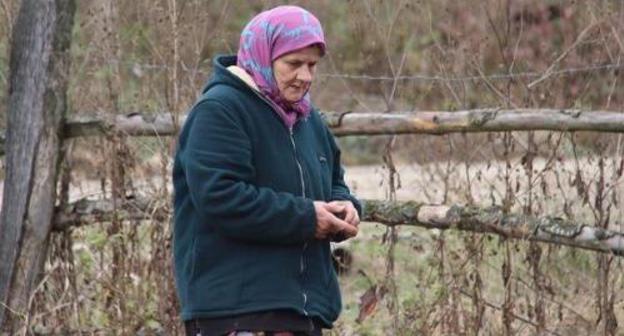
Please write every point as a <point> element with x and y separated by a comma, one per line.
<point>385,56</point>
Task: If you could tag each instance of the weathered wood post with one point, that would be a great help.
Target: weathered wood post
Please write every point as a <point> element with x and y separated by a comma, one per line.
<point>38,79</point>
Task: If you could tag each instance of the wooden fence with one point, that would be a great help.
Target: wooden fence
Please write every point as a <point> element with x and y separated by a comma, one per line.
<point>36,130</point>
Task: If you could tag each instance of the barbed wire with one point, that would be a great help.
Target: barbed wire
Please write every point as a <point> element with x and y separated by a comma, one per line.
<point>139,67</point>
<point>501,76</point>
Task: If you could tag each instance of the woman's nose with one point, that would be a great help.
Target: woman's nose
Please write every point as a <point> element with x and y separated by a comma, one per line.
<point>304,74</point>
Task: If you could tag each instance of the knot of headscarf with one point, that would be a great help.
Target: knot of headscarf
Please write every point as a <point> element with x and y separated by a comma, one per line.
<point>268,36</point>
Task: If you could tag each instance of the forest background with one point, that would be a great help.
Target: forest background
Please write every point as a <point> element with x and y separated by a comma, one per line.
<point>151,57</point>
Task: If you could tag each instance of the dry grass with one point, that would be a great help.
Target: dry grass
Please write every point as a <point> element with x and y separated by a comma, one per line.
<point>153,56</point>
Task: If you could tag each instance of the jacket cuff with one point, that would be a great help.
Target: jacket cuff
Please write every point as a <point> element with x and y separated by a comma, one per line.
<point>310,221</point>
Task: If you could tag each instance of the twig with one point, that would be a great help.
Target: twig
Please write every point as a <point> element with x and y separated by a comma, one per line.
<point>512,314</point>
<point>563,55</point>
<point>617,38</point>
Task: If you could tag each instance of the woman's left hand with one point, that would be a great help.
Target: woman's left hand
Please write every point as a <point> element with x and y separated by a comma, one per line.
<point>350,214</point>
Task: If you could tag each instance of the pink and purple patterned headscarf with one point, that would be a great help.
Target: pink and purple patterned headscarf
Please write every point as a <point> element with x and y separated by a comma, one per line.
<point>268,36</point>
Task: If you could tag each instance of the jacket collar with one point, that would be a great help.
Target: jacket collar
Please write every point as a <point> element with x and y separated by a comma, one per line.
<point>243,75</point>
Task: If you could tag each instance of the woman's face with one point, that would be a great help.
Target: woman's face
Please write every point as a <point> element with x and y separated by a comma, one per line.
<point>294,72</point>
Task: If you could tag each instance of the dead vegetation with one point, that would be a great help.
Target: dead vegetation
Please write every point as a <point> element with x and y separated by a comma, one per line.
<point>153,56</point>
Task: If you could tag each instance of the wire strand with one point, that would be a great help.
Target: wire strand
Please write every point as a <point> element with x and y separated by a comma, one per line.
<point>435,78</point>
<point>138,67</point>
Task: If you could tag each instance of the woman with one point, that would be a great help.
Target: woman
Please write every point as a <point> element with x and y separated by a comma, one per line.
<point>259,190</point>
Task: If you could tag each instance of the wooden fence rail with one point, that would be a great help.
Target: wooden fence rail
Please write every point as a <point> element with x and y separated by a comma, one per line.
<point>491,220</point>
<point>427,122</point>
<point>347,123</point>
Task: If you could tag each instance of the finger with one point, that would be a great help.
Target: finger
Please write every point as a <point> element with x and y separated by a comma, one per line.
<point>320,235</point>
<point>351,215</point>
<point>335,206</point>
<point>356,217</point>
<point>348,229</point>
<point>351,231</point>
<point>346,207</point>
<point>337,224</point>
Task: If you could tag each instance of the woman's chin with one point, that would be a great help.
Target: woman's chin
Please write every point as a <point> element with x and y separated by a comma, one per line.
<point>293,98</point>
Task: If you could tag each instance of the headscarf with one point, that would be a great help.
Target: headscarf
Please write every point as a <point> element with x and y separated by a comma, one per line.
<point>268,36</point>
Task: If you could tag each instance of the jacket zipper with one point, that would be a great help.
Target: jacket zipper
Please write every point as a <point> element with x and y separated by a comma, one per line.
<point>292,141</point>
<point>303,193</point>
<point>305,244</point>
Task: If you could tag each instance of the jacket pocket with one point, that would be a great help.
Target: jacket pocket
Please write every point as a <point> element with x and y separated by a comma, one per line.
<point>270,274</point>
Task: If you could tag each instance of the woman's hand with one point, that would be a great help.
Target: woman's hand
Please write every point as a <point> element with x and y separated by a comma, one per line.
<point>349,214</point>
<point>328,223</point>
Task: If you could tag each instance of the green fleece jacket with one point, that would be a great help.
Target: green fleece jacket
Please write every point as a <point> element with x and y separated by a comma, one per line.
<point>243,206</point>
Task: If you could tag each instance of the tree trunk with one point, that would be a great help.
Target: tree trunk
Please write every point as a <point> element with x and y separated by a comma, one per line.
<point>38,81</point>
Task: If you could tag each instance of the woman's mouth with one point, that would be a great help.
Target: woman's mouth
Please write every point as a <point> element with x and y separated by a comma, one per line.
<point>298,87</point>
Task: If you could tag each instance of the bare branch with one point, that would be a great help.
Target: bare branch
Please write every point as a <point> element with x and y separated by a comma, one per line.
<point>563,55</point>
<point>515,316</point>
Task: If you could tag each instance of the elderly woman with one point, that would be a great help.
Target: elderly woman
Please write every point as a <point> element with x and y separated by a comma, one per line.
<point>259,190</point>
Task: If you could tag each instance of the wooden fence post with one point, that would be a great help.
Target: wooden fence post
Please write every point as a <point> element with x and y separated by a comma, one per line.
<point>38,79</point>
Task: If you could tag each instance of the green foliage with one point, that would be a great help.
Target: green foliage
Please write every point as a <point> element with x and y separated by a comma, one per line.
<point>97,238</point>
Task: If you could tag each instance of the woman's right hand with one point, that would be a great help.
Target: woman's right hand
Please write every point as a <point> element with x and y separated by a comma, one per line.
<point>327,223</point>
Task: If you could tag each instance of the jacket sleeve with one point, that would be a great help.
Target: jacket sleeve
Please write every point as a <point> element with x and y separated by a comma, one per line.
<point>219,170</point>
<point>340,191</point>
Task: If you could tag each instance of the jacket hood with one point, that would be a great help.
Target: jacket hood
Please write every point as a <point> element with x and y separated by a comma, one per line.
<point>222,76</point>
<point>226,72</point>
